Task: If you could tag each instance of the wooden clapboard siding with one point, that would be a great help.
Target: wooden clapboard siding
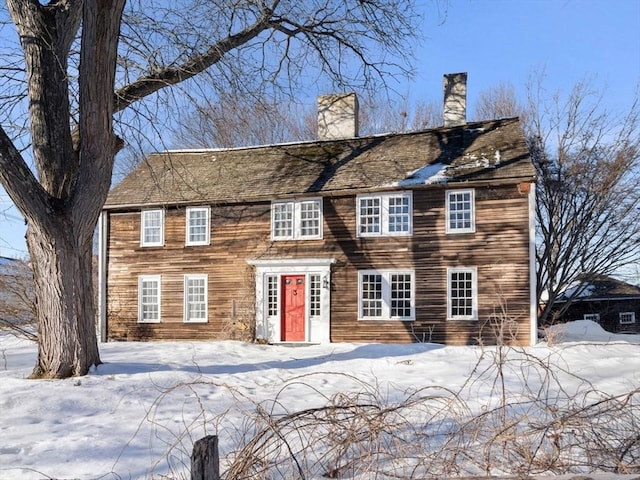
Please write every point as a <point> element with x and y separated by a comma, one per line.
<point>499,249</point>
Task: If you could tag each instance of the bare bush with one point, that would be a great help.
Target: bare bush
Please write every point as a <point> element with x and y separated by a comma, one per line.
<point>17,302</point>
<point>515,414</point>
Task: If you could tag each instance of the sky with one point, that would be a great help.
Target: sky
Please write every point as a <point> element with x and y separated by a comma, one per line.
<point>497,41</point>
<point>149,401</point>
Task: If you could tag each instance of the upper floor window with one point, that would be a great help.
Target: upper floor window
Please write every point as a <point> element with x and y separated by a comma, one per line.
<point>385,214</point>
<point>198,225</point>
<point>149,298</point>
<point>195,298</point>
<point>462,294</point>
<point>152,228</point>
<point>386,295</point>
<point>460,208</point>
<point>627,317</point>
<point>296,219</point>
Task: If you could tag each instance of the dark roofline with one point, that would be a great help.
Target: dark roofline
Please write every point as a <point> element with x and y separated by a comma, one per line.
<point>601,299</point>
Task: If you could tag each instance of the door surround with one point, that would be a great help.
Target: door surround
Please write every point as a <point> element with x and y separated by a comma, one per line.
<point>268,319</point>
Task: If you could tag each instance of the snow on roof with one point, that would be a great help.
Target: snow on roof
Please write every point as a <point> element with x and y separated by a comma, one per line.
<point>427,175</point>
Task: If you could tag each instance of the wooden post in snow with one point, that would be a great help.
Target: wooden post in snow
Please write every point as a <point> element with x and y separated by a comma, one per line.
<point>205,462</point>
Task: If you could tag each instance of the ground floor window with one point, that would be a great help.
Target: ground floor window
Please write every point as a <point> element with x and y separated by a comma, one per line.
<point>594,317</point>
<point>462,294</point>
<point>627,318</point>
<point>149,298</point>
<point>195,298</point>
<point>386,295</point>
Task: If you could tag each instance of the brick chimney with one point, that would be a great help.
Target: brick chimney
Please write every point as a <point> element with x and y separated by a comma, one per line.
<point>455,99</point>
<point>337,116</point>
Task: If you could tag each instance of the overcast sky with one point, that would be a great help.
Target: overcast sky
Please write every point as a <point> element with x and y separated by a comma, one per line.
<point>498,41</point>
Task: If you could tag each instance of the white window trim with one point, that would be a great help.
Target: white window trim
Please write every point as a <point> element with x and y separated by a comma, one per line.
<point>141,280</point>
<point>474,293</point>
<point>296,230</point>
<point>472,228</point>
<point>594,317</point>
<point>386,295</point>
<point>384,214</point>
<point>199,276</point>
<point>143,214</point>
<point>627,322</point>
<point>188,240</point>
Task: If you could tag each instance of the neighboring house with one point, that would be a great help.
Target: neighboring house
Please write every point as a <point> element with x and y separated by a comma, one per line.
<point>612,303</point>
<point>421,236</point>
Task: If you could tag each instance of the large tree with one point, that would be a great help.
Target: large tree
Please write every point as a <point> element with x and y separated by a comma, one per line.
<point>84,62</point>
<point>587,161</point>
<point>588,201</point>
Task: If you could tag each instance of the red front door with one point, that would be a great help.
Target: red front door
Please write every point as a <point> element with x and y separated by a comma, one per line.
<point>293,308</point>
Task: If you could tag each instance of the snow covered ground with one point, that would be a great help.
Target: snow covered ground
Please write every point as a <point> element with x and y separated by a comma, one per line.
<point>138,414</point>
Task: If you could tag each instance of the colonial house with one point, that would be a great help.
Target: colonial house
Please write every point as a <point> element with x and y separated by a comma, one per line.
<point>610,302</point>
<point>399,237</point>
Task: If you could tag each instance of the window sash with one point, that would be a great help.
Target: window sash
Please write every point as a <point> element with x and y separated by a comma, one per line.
<point>314,295</point>
<point>272,284</point>
<point>460,211</point>
<point>152,228</point>
<point>386,214</point>
<point>369,218</point>
<point>149,297</point>
<point>296,220</point>
<point>386,295</point>
<point>195,298</point>
<point>462,294</point>
<point>198,225</point>
<point>309,219</point>
<point>282,220</point>
<point>627,318</point>
<point>594,317</point>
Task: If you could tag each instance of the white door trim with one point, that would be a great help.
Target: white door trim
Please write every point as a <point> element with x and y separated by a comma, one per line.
<point>316,327</point>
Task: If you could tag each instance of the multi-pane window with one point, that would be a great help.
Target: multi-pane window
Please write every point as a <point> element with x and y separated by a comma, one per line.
<point>401,296</point>
<point>282,220</point>
<point>149,298</point>
<point>198,224</point>
<point>152,228</point>
<point>309,219</point>
<point>384,214</point>
<point>386,295</point>
<point>314,295</point>
<point>195,298</point>
<point>462,294</point>
<point>296,219</point>
<point>370,295</point>
<point>369,214</point>
<point>399,214</point>
<point>272,295</point>
<point>460,211</point>
<point>594,317</point>
<point>627,317</point>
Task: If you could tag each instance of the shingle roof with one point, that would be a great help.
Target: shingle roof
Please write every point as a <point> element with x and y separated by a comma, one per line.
<point>489,151</point>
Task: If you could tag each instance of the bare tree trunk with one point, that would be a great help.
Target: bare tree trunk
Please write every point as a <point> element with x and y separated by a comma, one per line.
<point>66,318</point>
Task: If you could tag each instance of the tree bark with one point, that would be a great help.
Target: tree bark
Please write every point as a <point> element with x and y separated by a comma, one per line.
<point>61,261</point>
